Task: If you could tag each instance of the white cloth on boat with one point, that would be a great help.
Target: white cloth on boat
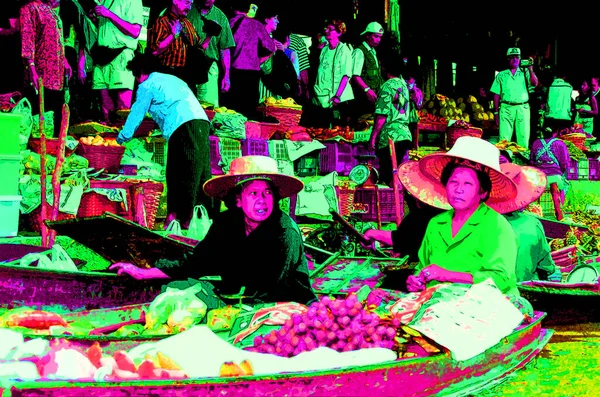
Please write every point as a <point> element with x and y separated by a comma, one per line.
<point>468,325</point>
<point>200,353</point>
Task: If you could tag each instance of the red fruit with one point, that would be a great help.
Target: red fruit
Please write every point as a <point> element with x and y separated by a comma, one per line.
<point>124,362</point>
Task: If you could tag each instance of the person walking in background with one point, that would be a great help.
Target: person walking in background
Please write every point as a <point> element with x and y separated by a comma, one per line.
<point>416,103</point>
<point>391,119</point>
<point>586,107</point>
<point>298,45</point>
<point>595,81</point>
<point>183,122</point>
<point>171,38</point>
<point>43,53</point>
<point>218,48</point>
<point>332,91</point>
<point>551,156</point>
<point>252,43</point>
<point>511,99</point>
<point>366,71</point>
<point>558,109</point>
<point>119,27</point>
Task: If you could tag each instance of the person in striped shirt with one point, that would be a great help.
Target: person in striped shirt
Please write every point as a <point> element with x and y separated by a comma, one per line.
<point>298,44</point>
<point>170,38</point>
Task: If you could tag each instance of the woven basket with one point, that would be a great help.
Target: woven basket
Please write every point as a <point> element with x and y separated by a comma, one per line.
<point>95,204</point>
<point>287,117</point>
<point>36,215</point>
<point>148,193</point>
<point>345,200</point>
<point>107,157</point>
<point>453,133</point>
<point>35,144</point>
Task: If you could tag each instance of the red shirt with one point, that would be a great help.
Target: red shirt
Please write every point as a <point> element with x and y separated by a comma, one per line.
<point>176,53</point>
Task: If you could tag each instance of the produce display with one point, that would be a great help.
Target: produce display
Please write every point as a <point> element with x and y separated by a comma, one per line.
<point>282,103</point>
<point>97,140</point>
<point>440,108</point>
<point>340,324</point>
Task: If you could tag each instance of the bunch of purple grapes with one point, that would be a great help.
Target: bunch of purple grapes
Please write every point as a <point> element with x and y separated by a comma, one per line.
<point>340,324</point>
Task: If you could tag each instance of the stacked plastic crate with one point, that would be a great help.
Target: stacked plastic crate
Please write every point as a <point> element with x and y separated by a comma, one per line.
<point>222,151</point>
<point>10,164</point>
<point>338,157</point>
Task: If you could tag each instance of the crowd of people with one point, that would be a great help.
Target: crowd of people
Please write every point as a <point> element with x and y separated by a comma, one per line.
<point>196,54</point>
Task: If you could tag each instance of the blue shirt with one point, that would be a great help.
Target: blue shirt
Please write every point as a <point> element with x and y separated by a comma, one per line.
<point>169,101</point>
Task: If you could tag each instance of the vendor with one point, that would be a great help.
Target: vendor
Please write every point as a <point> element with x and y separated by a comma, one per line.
<point>185,125</point>
<point>534,260</point>
<point>407,238</point>
<point>471,242</point>
<point>252,244</point>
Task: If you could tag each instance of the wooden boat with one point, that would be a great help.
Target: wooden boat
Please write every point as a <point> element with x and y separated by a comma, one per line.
<point>43,289</point>
<point>565,303</point>
<point>428,375</point>
<point>112,237</point>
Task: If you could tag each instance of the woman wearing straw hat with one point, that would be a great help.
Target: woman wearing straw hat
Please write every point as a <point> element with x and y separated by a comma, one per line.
<point>471,242</point>
<point>534,260</point>
<point>252,244</point>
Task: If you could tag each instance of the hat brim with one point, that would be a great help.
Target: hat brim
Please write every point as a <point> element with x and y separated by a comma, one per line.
<point>531,184</point>
<point>423,188</point>
<point>219,186</point>
<point>503,188</point>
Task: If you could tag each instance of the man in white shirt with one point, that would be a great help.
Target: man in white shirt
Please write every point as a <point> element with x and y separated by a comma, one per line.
<point>366,70</point>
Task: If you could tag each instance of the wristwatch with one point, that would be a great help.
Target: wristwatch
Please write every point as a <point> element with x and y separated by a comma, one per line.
<point>367,89</point>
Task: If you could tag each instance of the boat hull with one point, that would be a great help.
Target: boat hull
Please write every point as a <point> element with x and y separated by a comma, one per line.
<point>51,289</point>
<point>564,304</point>
<point>435,375</point>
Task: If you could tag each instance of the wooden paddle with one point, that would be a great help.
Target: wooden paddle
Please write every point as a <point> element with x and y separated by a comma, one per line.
<point>360,237</point>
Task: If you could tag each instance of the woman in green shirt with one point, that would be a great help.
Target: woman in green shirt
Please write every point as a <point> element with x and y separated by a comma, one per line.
<point>471,242</point>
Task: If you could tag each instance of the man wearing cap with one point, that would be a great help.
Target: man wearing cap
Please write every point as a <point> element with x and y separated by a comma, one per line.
<point>511,99</point>
<point>366,70</point>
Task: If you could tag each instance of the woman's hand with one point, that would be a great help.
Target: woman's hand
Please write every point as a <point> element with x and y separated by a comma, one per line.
<point>415,283</point>
<point>136,272</point>
<point>435,273</point>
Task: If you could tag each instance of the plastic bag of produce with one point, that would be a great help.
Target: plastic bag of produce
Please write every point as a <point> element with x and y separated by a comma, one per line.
<point>178,309</point>
<point>199,224</point>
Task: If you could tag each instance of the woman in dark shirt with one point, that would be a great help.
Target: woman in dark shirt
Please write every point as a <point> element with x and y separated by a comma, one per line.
<point>252,244</point>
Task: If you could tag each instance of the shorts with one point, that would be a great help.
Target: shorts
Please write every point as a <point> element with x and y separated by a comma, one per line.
<point>115,75</point>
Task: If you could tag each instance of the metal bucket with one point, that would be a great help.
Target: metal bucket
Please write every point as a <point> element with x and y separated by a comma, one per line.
<point>586,273</point>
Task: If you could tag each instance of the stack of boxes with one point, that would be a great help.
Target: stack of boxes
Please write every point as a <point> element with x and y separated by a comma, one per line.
<point>10,164</point>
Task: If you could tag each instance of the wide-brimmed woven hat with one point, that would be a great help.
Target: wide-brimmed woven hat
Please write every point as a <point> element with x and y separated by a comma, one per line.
<point>531,184</point>
<point>248,168</point>
<point>424,181</point>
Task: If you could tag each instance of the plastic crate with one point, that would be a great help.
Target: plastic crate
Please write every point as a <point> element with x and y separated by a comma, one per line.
<point>573,170</point>
<point>307,165</point>
<point>338,157</point>
<point>255,147</point>
<point>278,149</point>
<point>222,151</point>
<point>365,204</point>
<point>583,169</point>
<point>158,147</point>
<point>9,215</point>
<point>545,201</point>
<point>594,170</point>
<point>9,177</point>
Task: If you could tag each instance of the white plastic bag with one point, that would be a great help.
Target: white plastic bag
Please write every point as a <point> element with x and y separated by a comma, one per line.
<point>174,228</point>
<point>56,259</point>
<point>200,224</point>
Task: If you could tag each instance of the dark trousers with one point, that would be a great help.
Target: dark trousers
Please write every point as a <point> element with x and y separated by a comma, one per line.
<point>188,167</point>
<point>386,173</point>
<point>53,101</point>
<point>243,96</point>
